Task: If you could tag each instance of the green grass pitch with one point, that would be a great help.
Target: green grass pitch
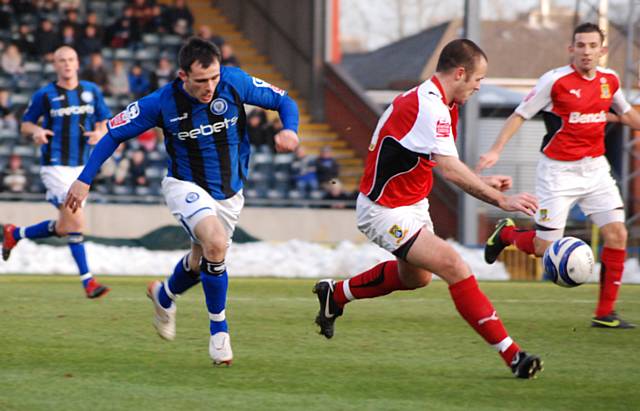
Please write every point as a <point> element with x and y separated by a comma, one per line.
<point>406,351</point>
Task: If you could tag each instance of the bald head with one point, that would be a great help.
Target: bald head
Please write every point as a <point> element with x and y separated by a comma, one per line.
<point>65,62</point>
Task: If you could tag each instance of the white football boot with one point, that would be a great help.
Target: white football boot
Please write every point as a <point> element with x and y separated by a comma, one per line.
<point>165,318</point>
<point>220,348</point>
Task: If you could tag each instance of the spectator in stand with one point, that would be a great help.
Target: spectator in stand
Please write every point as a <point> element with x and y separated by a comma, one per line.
<point>303,170</point>
<point>11,61</point>
<point>8,119</point>
<point>179,11</point>
<point>140,13</point>
<point>139,84</point>
<point>96,72</point>
<point>335,192</point>
<point>205,33</point>
<point>89,43</point>
<point>115,169</point>
<point>137,171</point>
<point>92,20</point>
<point>47,7</point>
<point>124,32</point>
<point>228,58</point>
<point>257,128</point>
<point>148,140</point>
<point>71,19</point>
<point>163,74</point>
<point>68,36</point>
<point>327,167</point>
<point>26,41</point>
<point>47,40</point>
<point>118,80</point>
<point>156,23</point>
<point>14,179</point>
<point>7,13</point>
<point>69,4</point>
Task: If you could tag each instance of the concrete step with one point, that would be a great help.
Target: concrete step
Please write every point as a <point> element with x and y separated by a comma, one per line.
<point>318,144</point>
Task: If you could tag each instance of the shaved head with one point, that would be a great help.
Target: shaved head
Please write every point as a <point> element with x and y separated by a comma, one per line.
<point>65,62</point>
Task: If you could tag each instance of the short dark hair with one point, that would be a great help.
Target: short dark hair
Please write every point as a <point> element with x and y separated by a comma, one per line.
<point>587,28</point>
<point>197,49</point>
<point>460,53</point>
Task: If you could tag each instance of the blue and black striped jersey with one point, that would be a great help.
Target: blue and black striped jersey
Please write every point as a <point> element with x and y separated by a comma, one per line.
<point>206,143</point>
<point>68,113</point>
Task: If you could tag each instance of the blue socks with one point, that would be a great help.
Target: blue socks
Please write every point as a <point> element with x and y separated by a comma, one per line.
<point>215,282</point>
<point>43,229</point>
<point>76,245</point>
<point>180,281</point>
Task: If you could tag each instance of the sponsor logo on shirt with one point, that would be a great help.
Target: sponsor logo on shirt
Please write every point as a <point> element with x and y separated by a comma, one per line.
<point>443,128</point>
<point>575,92</point>
<point>71,110</point>
<point>579,118</point>
<point>261,83</point>
<point>124,117</point>
<point>207,129</point>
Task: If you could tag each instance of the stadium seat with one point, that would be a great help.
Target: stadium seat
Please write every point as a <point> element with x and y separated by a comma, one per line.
<point>123,54</point>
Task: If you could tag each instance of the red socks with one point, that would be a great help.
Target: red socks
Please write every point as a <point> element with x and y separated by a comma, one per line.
<point>522,239</point>
<point>478,311</point>
<point>379,280</point>
<point>610,276</point>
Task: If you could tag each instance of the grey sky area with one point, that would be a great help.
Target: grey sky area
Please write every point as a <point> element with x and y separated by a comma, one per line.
<point>370,24</point>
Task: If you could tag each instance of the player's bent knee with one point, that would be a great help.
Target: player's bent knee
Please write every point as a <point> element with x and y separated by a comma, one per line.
<point>615,235</point>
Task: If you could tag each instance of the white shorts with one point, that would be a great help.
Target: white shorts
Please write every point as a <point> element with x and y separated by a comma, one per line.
<point>388,227</point>
<point>57,180</point>
<point>587,182</point>
<point>189,203</point>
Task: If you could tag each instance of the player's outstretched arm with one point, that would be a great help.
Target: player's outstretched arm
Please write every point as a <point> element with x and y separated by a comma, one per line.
<point>510,127</point>
<point>459,174</point>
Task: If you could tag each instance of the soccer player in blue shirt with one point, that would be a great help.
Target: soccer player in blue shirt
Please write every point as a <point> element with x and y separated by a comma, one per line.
<point>74,118</point>
<point>203,120</point>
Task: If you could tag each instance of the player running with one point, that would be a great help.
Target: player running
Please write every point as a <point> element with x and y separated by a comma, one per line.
<point>575,101</point>
<point>202,116</point>
<point>74,118</point>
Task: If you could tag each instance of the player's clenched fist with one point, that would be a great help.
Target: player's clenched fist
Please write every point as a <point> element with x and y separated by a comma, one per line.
<point>286,141</point>
<point>78,192</point>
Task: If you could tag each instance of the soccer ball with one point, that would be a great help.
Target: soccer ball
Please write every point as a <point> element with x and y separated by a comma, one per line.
<point>568,262</point>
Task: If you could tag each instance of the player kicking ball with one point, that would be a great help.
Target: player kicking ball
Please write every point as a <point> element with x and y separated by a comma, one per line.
<point>416,133</point>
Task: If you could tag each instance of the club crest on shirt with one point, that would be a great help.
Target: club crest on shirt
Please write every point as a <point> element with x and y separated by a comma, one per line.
<point>544,214</point>
<point>397,233</point>
<point>86,96</point>
<point>605,92</point>
<point>219,106</point>
<point>191,197</point>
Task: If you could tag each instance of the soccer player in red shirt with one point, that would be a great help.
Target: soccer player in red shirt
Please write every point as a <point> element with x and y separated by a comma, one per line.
<point>416,133</point>
<point>575,101</point>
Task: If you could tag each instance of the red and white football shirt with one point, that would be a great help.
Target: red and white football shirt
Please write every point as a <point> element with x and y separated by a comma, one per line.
<point>416,125</point>
<point>579,106</point>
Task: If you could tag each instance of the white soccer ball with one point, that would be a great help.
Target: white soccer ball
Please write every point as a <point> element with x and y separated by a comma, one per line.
<point>568,262</point>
